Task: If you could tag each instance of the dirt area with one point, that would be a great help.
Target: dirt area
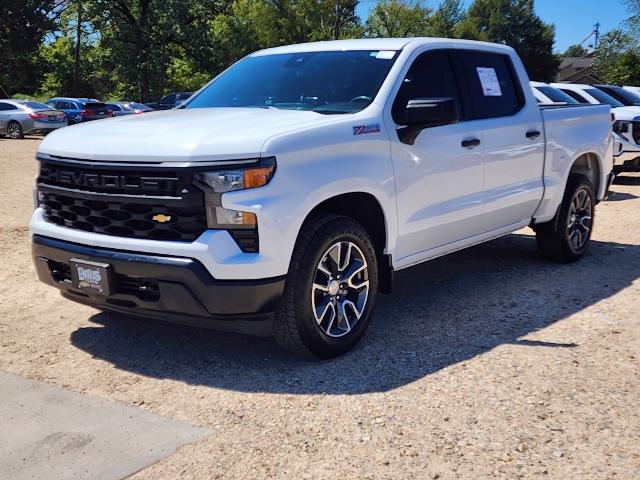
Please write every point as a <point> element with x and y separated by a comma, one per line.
<point>490,363</point>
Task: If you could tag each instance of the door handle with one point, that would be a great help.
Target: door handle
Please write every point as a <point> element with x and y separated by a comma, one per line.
<point>471,142</point>
<point>533,134</point>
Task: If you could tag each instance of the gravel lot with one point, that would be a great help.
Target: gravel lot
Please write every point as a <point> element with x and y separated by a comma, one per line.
<point>489,363</point>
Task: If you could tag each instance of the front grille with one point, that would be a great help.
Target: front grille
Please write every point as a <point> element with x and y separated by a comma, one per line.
<point>148,203</point>
<point>123,218</point>
<point>128,200</point>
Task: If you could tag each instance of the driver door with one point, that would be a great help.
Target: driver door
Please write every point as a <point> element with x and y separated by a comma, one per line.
<point>440,177</point>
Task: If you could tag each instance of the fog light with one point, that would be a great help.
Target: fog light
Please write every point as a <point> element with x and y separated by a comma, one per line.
<point>233,218</point>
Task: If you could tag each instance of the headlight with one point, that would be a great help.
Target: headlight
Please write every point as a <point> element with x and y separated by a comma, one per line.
<point>215,183</point>
<point>254,176</point>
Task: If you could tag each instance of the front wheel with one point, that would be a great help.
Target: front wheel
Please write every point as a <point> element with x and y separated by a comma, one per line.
<point>330,289</point>
<point>566,238</point>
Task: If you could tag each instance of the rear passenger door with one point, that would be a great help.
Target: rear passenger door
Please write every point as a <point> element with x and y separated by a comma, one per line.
<point>513,139</point>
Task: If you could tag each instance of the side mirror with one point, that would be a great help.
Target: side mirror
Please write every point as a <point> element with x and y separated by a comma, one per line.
<point>431,112</point>
<point>421,113</point>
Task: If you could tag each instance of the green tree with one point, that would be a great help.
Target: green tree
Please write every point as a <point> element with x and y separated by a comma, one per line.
<point>24,24</point>
<point>626,69</point>
<point>444,20</point>
<point>249,25</point>
<point>398,18</point>
<point>59,62</point>
<point>609,56</point>
<point>633,22</point>
<point>144,34</point>
<point>514,23</point>
<point>304,20</point>
<point>575,51</point>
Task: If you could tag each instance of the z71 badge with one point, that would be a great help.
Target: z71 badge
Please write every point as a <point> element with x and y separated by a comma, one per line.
<point>362,129</point>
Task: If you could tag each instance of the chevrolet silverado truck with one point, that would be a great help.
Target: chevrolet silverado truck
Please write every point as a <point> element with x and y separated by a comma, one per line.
<point>281,197</point>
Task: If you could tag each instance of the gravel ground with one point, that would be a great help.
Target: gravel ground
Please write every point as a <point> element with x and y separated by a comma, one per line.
<point>489,363</point>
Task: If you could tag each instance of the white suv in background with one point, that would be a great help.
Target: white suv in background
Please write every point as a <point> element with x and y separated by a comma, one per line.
<point>626,152</point>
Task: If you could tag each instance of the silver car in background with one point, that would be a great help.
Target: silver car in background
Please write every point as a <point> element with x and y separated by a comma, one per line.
<point>21,117</point>
<point>127,108</point>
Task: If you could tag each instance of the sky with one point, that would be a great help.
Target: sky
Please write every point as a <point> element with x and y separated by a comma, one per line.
<point>574,19</point>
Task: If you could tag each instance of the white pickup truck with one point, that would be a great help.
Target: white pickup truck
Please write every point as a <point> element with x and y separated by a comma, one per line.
<point>282,196</point>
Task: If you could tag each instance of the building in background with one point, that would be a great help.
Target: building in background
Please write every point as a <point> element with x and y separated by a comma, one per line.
<point>578,70</point>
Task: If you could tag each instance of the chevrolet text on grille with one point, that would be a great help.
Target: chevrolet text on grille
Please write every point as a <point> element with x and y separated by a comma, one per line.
<point>97,180</point>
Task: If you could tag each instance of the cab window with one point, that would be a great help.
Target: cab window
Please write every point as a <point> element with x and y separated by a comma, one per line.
<point>430,76</point>
<point>491,86</point>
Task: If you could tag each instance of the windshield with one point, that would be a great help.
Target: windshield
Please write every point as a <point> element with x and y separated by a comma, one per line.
<point>602,97</point>
<point>556,95</point>
<point>628,98</point>
<point>323,82</point>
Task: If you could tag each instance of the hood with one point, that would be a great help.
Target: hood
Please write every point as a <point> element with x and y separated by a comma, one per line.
<point>626,113</point>
<point>199,134</point>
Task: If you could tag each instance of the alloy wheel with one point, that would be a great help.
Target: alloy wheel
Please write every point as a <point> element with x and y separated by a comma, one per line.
<point>580,219</point>
<point>340,289</point>
<point>14,130</point>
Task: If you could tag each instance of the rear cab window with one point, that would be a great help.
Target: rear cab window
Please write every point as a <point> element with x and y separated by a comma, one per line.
<point>489,83</point>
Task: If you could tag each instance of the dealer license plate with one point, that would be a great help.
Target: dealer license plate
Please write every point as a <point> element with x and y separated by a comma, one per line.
<point>91,276</point>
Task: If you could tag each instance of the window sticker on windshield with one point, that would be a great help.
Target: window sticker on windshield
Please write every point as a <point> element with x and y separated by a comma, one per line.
<point>385,55</point>
<point>489,81</point>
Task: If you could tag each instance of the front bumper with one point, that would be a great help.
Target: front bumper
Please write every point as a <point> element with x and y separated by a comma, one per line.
<point>626,156</point>
<point>175,289</point>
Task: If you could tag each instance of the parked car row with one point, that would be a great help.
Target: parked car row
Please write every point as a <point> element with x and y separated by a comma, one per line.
<point>625,108</point>
<point>22,117</point>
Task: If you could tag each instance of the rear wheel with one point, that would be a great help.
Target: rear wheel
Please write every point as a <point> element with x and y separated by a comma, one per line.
<point>330,289</point>
<point>14,130</point>
<point>566,238</point>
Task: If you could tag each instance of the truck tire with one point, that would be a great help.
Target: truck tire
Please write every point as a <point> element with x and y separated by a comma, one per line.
<point>566,238</point>
<point>330,289</point>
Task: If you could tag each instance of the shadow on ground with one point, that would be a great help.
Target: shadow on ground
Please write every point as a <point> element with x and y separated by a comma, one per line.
<point>442,312</point>
<point>614,196</point>
<point>627,179</point>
